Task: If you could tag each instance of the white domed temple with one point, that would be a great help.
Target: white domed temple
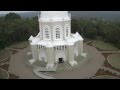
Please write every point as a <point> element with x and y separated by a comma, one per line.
<point>55,43</point>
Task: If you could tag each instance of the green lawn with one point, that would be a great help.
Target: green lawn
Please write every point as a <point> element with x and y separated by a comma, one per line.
<point>20,45</point>
<point>4,54</point>
<point>114,60</point>
<point>104,46</point>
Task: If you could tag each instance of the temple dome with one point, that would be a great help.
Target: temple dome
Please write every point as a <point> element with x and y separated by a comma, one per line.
<point>54,14</point>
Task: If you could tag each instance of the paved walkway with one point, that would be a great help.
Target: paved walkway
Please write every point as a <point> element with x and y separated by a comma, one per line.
<point>18,66</point>
<point>88,70</point>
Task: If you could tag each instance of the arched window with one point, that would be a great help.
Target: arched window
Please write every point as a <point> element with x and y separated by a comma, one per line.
<point>47,33</point>
<point>67,31</point>
<point>57,32</point>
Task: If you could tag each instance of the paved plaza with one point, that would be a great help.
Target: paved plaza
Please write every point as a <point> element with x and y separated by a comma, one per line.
<point>95,61</point>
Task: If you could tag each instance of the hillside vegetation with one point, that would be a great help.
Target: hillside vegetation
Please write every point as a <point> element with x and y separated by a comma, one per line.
<point>14,29</point>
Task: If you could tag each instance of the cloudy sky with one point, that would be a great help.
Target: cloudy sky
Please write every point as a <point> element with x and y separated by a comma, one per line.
<point>5,12</point>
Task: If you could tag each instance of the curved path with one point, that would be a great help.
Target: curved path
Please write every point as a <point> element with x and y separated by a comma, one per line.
<point>96,59</point>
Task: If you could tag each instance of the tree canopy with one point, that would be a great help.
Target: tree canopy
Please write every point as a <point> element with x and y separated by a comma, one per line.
<point>12,16</point>
<point>14,29</point>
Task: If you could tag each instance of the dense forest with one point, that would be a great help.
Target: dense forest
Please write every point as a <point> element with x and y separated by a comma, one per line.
<point>97,28</point>
<point>14,29</point>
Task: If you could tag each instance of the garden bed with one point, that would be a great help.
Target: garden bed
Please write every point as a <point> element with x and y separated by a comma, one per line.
<point>102,72</point>
<point>105,77</point>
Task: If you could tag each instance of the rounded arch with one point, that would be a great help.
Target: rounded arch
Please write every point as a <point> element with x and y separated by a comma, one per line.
<point>46,32</point>
<point>60,55</point>
<point>67,30</point>
<point>57,32</point>
<point>42,56</point>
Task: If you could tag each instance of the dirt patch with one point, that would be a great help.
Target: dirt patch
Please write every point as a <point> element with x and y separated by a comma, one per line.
<point>102,72</point>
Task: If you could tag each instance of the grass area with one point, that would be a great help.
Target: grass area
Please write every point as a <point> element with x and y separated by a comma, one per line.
<point>4,54</point>
<point>104,46</point>
<point>114,60</point>
<point>20,45</point>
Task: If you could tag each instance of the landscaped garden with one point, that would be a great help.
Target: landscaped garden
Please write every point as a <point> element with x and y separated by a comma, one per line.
<point>5,58</point>
<point>104,46</point>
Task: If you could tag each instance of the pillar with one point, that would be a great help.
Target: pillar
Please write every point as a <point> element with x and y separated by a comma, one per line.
<point>80,47</point>
<point>34,52</point>
<point>71,56</point>
<point>50,58</point>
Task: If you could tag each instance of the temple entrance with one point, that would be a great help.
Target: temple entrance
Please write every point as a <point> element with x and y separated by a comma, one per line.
<point>61,60</point>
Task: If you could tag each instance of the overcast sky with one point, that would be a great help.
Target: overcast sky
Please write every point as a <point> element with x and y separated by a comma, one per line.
<point>5,12</point>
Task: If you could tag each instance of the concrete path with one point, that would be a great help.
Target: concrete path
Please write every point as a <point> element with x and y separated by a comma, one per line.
<point>18,66</point>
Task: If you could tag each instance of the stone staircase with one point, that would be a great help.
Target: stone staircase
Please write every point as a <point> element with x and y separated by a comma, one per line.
<point>41,72</point>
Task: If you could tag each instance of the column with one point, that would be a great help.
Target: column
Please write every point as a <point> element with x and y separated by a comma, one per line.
<point>71,56</point>
<point>50,58</point>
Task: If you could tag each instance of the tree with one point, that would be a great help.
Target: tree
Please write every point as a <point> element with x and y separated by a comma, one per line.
<point>12,16</point>
<point>90,32</point>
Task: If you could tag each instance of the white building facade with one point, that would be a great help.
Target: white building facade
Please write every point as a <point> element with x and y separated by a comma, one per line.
<point>55,43</point>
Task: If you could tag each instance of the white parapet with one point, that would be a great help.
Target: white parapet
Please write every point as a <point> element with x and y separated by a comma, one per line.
<point>49,66</point>
<point>73,63</point>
